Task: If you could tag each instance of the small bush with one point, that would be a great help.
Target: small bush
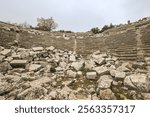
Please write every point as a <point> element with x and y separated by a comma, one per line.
<point>63,31</point>
<point>106,27</point>
<point>46,24</point>
<point>95,30</point>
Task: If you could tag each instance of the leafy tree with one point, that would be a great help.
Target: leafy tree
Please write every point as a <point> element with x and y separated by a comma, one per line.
<point>46,24</point>
<point>95,30</point>
<point>106,27</point>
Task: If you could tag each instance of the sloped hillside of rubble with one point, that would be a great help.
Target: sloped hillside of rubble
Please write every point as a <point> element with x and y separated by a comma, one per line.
<point>37,64</point>
<point>50,73</point>
<point>128,42</point>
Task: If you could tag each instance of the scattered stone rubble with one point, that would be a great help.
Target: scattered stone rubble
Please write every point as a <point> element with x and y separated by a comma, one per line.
<point>50,74</point>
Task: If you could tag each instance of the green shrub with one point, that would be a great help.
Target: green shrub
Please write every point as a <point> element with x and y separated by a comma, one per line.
<point>95,30</point>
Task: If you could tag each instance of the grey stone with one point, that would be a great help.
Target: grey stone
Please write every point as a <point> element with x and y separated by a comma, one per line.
<point>32,93</point>
<point>118,74</point>
<point>5,88</point>
<point>72,96</point>
<point>1,58</point>
<point>79,73</point>
<point>104,82</point>
<point>53,95</point>
<point>6,52</point>
<point>77,65</point>
<point>58,69</point>
<point>125,67</point>
<point>63,65</point>
<point>72,58</point>
<point>146,96</point>
<point>5,66</point>
<point>65,91</point>
<point>102,70</point>
<point>140,65</point>
<point>51,48</point>
<point>34,67</point>
<point>91,75</point>
<point>18,63</point>
<point>107,94</point>
<point>71,73</point>
<point>37,48</point>
<point>16,56</point>
<point>89,64</point>
<point>98,59</point>
<point>138,81</point>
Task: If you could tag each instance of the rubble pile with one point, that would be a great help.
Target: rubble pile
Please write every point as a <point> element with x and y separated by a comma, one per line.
<point>52,74</point>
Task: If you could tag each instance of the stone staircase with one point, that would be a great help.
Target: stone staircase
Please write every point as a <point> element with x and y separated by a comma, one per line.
<point>124,49</point>
<point>146,45</point>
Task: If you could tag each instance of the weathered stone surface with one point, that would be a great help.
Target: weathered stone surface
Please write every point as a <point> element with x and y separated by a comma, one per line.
<point>1,58</point>
<point>51,48</point>
<point>61,74</point>
<point>79,73</point>
<point>32,93</point>
<point>102,70</point>
<point>72,58</point>
<point>5,88</point>
<point>37,48</point>
<point>53,95</point>
<point>107,94</point>
<point>72,96</point>
<point>5,66</point>
<point>146,96</point>
<point>89,64</point>
<point>118,74</point>
<point>125,67</point>
<point>140,65</point>
<point>138,81</point>
<point>34,67</point>
<point>58,69</point>
<point>71,74</point>
<point>98,59</point>
<point>65,91</point>
<point>18,63</point>
<point>77,65</point>
<point>104,82</point>
<point>63,65</point>
<point>91,75</point>
<point>16,56</point>
<point>6,52</point>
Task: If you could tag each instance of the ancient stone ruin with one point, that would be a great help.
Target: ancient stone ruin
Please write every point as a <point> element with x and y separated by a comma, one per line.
<point>45,65</point>
<point>50,74</point>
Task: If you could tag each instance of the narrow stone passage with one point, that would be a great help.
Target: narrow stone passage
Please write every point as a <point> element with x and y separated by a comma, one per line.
<point>75,46</point>
<point>140,52</point>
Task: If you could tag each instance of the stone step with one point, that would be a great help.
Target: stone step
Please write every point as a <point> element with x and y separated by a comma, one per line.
<point>147,59</point>
<point>126,47</point>
<point>147,55</point>
<point>126,50</point>
<point>147,51</point>
<point>146,48</point>
<point>126,55</point>
<point>128,58</point>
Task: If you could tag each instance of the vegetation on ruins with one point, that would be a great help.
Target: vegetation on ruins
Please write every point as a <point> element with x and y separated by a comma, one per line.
<point>65,31</point>
<point>95,30</point>
<point>106,27</point>
<point>46,24</point>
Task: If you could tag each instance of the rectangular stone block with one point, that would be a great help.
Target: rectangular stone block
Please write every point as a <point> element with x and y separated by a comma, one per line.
<point>18,63</point>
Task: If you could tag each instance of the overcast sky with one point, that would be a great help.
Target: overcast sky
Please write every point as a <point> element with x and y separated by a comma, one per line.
<point>75,15</point>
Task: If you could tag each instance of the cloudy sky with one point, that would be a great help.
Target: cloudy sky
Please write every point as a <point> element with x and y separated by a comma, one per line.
<point>75,15</point>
